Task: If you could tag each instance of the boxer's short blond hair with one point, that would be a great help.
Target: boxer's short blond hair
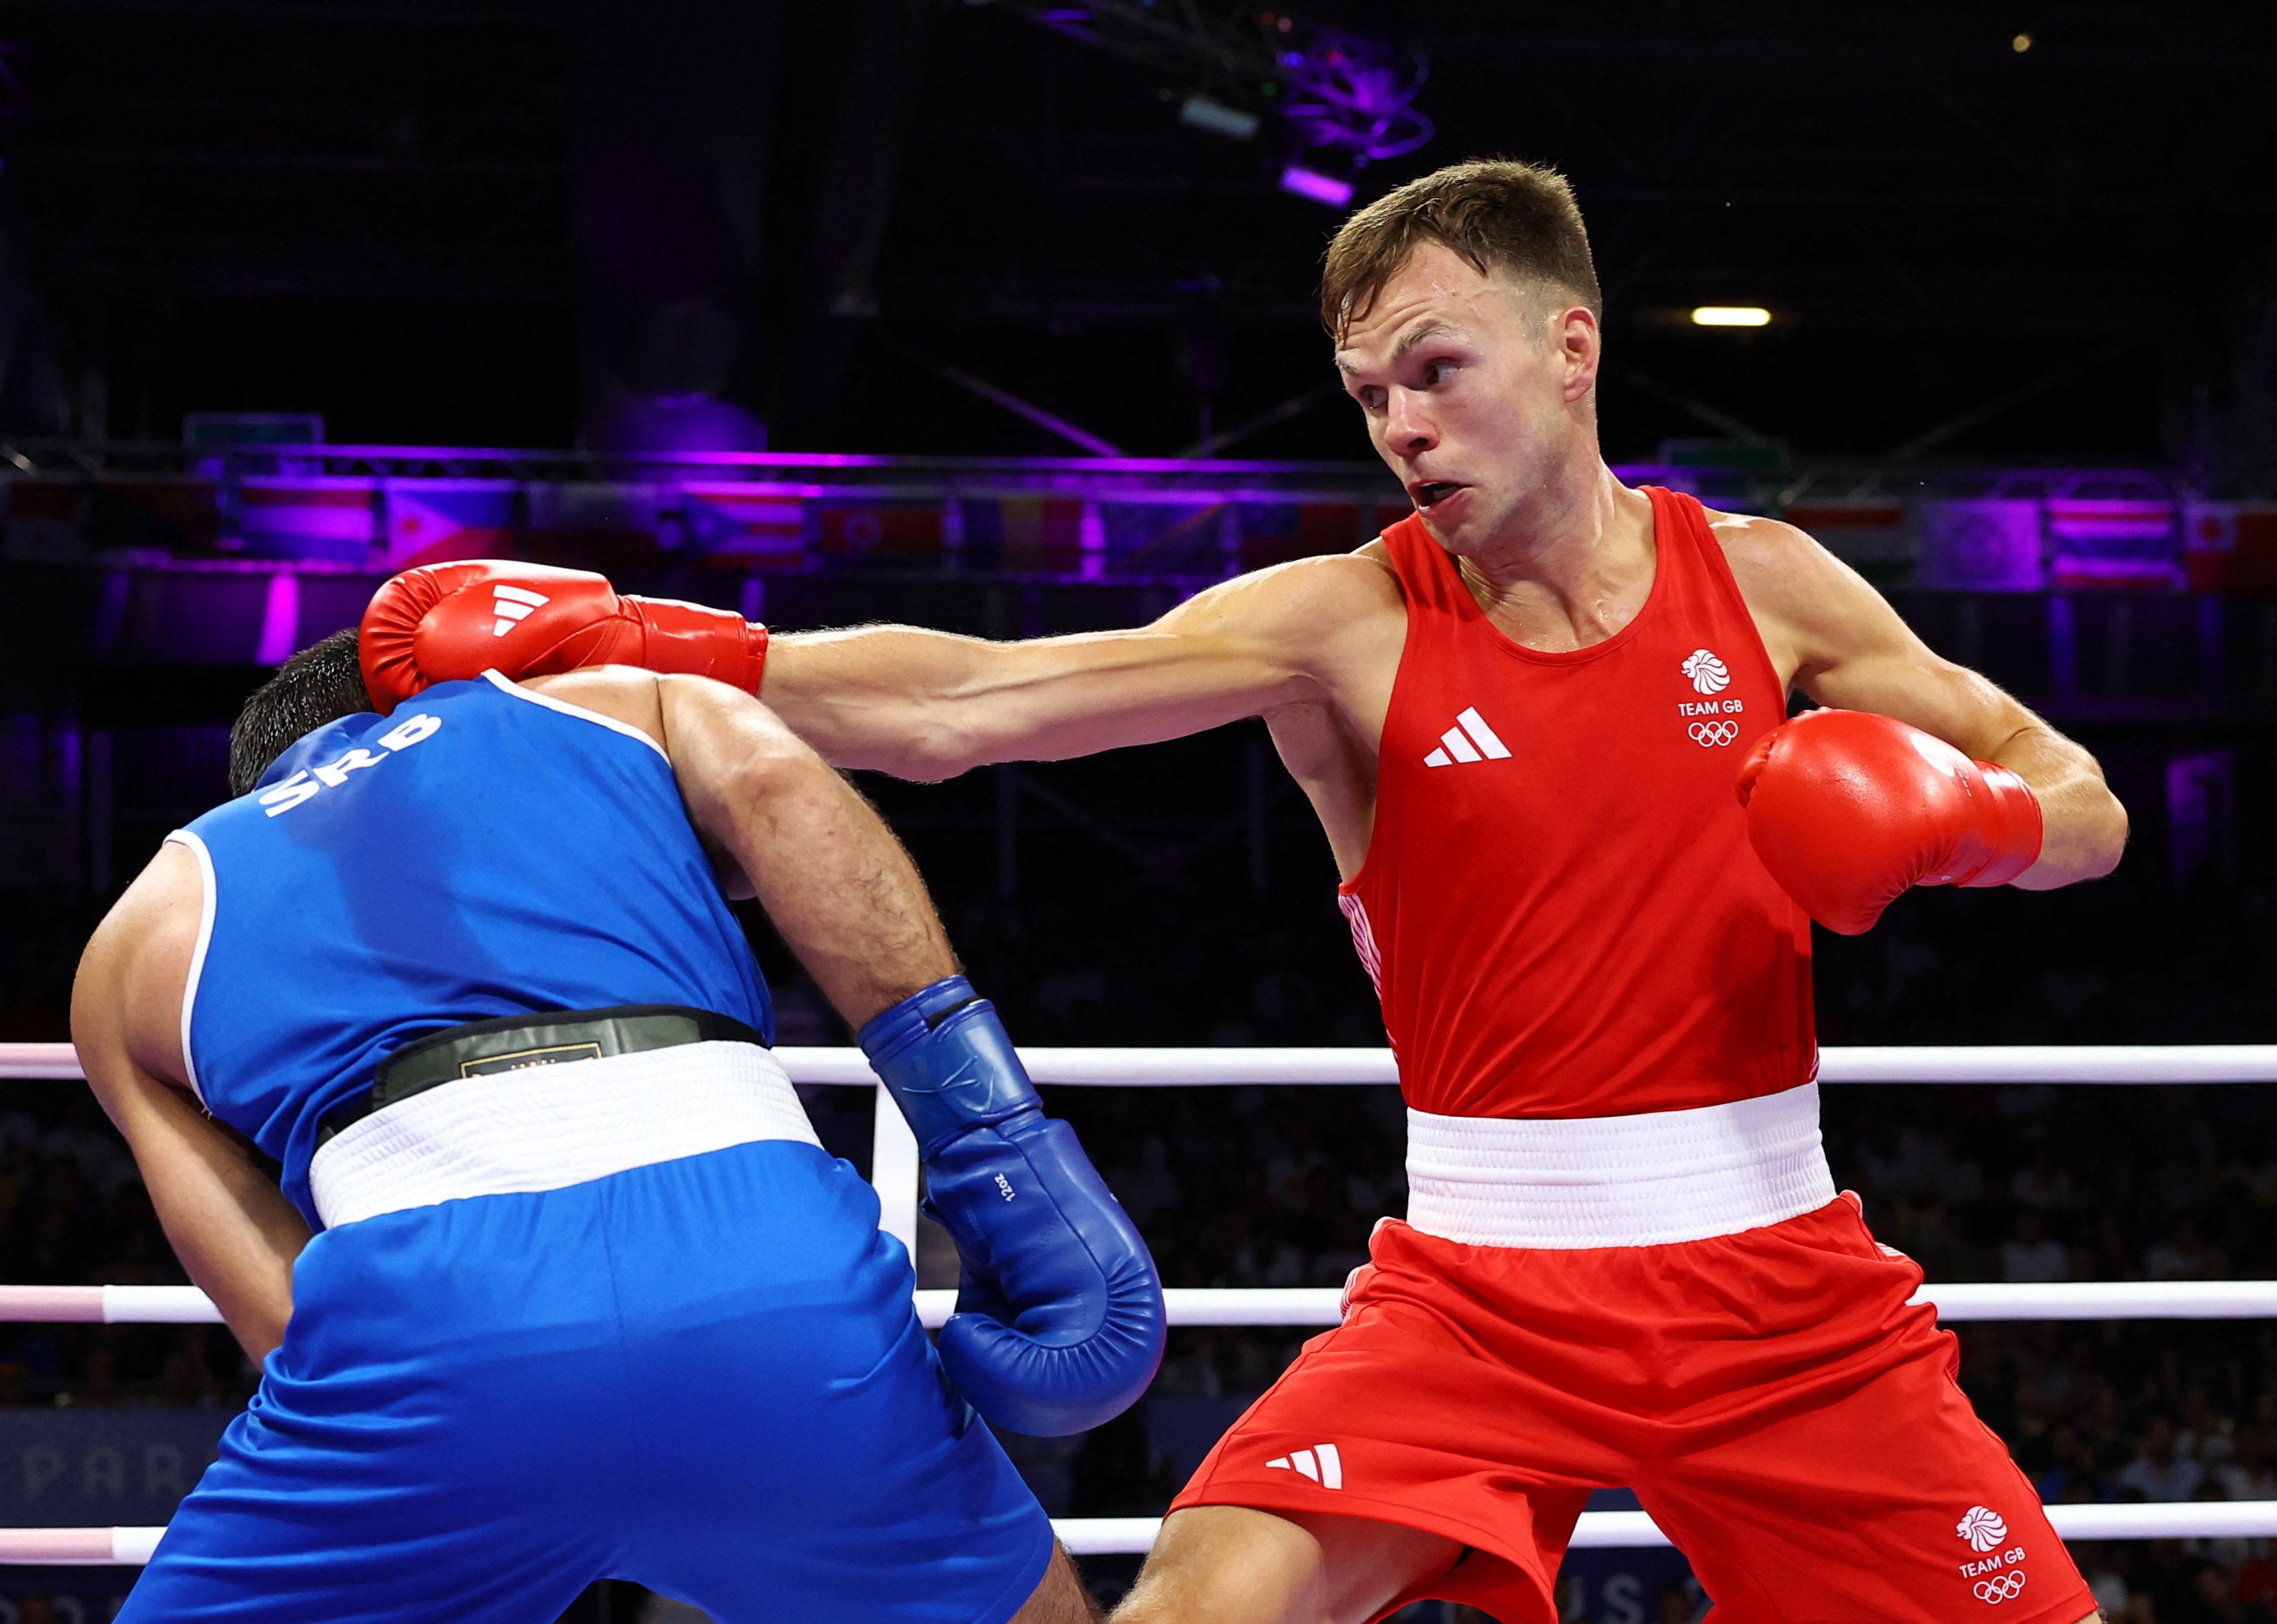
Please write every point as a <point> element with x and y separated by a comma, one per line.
<point>1498,213</point>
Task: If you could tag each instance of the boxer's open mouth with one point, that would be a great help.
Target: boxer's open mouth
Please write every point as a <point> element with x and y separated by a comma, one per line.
<point>1429,492</point>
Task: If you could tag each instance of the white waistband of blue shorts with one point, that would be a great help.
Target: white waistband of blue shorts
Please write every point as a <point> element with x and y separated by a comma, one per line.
<point>549,1126</point>
<point>1643,1180</point>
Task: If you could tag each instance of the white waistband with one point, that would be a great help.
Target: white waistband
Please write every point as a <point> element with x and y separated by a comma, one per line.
<point>549,1126</point>
<point>1641,1180</point>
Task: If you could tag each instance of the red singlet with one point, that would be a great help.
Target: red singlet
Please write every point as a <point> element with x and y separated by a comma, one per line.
<point>1569,921</point>
<point>1559,906</point>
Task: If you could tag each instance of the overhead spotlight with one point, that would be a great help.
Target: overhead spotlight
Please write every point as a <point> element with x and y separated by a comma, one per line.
<point>1726,315</point>
<point>1202,113</point>
<point>1310,183</point>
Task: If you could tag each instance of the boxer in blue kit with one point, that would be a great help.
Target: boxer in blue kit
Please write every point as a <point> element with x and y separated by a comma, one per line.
<point>559,1284</point>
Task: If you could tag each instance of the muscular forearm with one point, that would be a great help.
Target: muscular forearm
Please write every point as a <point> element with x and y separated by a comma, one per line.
<point>236,1236</point>
<point>922,704</point>
<point>2084,826</point>
<point>886,698</point>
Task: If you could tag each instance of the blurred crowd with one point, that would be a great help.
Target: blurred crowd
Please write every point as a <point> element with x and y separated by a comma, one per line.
<point>72,1212</point>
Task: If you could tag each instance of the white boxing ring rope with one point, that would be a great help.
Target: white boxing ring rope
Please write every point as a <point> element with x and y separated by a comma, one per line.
<point>894,1174</point>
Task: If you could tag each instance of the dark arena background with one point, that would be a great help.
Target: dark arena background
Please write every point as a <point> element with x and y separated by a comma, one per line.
<point>1001,318</point>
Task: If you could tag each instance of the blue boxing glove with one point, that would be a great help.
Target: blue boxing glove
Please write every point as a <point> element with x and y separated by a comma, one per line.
<point>1059,1323</point>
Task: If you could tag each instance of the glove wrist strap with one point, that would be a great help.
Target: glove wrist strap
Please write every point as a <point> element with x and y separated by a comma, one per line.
<point>944,1056</point>
<point>696,640</point>
<point>2022,828</point>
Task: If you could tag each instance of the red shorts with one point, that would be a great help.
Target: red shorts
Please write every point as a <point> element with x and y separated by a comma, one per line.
<point>1783,1414</point>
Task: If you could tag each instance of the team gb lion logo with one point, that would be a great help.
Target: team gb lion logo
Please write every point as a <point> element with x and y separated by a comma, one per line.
<point>1983,1528</point>
<point>1707,672</point>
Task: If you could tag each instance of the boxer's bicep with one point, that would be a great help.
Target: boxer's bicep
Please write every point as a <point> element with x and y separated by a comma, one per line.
<point>1838,640</point>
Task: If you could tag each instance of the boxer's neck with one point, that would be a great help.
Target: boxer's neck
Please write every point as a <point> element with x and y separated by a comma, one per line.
<point>1572,562</point>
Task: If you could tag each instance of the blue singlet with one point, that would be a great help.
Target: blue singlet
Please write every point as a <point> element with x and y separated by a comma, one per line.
<point>704,1374</point>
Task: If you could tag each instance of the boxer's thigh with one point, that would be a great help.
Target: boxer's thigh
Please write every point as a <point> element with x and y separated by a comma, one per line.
<point>1891,1502</point>
<point>427,1442</point>
<point>793,1447</point>
<point>288,1527</point>
<point>1236,1564</point>
<point>1420,1452</point>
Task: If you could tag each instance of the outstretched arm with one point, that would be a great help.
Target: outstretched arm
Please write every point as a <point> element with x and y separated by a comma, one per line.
<point>234,1232</point>
<point>1846,647</point>
<point>922,704</point>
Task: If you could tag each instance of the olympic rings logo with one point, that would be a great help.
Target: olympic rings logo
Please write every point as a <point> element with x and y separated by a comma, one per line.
<point>2007,1587</point>
<point>1708,735</point>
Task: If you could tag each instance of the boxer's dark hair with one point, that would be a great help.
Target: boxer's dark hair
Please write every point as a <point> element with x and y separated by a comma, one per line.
<point>321,684</point>
<point>1498,213</point>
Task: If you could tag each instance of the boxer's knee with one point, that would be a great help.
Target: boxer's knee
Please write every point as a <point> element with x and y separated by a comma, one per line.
<point>1233,1565</point>
<point>1059,1596</point>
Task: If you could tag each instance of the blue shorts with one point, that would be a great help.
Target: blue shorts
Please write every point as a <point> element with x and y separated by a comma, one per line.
<point>706,1375</point>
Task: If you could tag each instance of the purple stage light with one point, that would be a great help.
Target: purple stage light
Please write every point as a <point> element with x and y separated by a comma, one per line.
<point>1357,93</point>
<point>1318,187</point>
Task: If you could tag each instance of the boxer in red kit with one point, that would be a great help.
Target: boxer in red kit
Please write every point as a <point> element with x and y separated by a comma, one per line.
<point>1543,720</point>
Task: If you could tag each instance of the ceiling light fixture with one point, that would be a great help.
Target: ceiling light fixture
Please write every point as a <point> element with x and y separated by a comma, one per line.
<point>1203,113</point>
<point>1318,187</point>
<point>1728,315</point>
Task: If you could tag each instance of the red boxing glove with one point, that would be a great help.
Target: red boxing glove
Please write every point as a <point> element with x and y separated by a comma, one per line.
<point>1847,810</point>
<point>446,622</point>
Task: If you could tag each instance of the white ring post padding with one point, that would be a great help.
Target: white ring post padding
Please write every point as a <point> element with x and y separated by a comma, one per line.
<point>54,1060</point>
<point>158,1305</point>
<point>894,1169</point>
<point>133,1547</point>
<point>1107,1536</point>
<point>2104,1300</point>
<point>1596,1530</point>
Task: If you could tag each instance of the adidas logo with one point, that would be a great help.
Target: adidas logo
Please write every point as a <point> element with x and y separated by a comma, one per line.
<point>512,605</point>
<point>1320,1463</point>
<point>1470,739</point>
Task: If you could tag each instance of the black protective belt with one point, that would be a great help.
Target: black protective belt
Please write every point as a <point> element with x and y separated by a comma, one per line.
<point>516,1042</point>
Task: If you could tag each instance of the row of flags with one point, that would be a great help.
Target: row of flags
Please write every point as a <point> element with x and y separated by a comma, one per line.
<point>390,524</point>
<point>2016,543</point>
<point>2069,543</point>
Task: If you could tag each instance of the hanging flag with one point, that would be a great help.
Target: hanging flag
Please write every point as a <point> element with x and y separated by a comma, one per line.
<point>429,520</point>
<point>886,532</point>
<point>1873,535</point>
<point>1024,534</point>
<point>1276,532</point>
<point>2229,546</point>
<point>336,519</point>
<point>744,526</point>
<point>2115,544</point>
<point>1990,544</point>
